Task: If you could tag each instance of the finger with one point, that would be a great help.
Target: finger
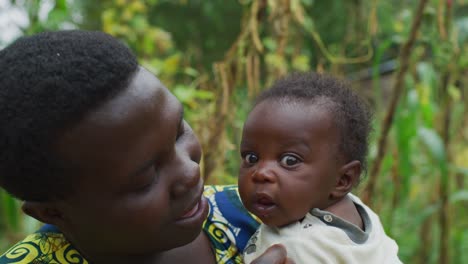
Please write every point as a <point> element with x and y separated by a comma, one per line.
<point>275,254</point>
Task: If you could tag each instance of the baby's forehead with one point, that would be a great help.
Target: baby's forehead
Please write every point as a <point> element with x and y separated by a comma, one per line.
<point>296,113</point>
<point>318,103</point>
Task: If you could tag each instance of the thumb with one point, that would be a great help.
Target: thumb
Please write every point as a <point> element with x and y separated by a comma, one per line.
<point>275,254</point>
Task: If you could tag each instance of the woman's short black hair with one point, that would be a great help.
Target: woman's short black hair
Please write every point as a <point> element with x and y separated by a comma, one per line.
<point>48,83</point>
<point>351,114</point>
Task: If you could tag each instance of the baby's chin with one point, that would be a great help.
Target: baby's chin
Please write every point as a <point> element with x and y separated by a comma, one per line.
<point>277,222</point>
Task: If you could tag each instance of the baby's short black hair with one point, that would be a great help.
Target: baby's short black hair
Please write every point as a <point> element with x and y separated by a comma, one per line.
<point>48,83</point>
<point>350,113</point>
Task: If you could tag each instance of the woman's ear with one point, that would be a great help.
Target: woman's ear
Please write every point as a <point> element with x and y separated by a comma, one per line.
<point>348,177</point>
<point>46,212</point>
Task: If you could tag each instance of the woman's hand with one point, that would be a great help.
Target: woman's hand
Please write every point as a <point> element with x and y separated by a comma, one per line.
<point>275,254</point>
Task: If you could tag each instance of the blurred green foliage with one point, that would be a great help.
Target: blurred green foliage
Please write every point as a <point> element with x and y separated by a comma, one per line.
<point>215,56</point>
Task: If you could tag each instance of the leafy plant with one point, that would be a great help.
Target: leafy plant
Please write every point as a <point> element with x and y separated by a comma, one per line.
<point>215,56</point>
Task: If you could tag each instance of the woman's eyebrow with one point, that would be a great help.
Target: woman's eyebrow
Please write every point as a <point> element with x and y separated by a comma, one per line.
<point>149,163</point>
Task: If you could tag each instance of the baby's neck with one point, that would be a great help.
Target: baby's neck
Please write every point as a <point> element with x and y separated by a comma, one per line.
<point>345,209</point>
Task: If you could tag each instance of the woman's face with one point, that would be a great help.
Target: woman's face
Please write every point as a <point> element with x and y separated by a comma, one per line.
<point>137,161</point>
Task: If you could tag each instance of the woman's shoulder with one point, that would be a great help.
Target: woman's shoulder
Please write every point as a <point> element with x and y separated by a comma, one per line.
<point>228,225</point>
<point>225,204</point>
<point>47,245</point>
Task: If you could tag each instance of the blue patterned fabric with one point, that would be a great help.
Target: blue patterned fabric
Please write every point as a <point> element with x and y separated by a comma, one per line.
<point>228,226</point>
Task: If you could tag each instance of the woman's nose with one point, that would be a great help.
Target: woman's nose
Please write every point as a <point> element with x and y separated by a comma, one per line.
<point>192,144</point>
<point>186,165</point>
<point>186,178</point>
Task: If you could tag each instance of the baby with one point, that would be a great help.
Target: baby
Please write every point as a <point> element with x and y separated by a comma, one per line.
<point>303,149</point>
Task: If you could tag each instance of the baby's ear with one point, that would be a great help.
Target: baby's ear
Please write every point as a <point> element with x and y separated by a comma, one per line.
<point>348,177</point>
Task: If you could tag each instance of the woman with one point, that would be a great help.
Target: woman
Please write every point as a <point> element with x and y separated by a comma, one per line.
<point>98,148</point>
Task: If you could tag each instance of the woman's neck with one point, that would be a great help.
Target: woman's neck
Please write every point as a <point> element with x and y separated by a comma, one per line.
<point>198,251</point>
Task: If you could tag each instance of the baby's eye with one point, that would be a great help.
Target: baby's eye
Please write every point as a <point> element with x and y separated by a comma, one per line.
<point>250,158</point>
<point>289,160</point>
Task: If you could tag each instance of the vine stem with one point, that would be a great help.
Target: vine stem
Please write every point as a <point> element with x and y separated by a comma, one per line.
<point>404,59</point>
<point>444,186</point>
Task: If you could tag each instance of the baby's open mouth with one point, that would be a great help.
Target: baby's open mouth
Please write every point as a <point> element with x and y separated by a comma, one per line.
<point>263,205</point>
<point>265,201</point>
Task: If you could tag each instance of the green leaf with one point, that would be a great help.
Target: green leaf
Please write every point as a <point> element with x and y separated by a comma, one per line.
<point>436,148</point>
<point>184,93</point>
<point>204,94</point>
<point>148,44</point>
<point>56,18</point>
<point>462,170</point>
<point>434,144</point>
<point>61,4</point>
<point>301,63</point>
<point>459,196</point>
<point>307,2</point>
<point>171,64</point>
<point>139,23</point>
<point>454,92</point>
<point>426,73</point>
<point>427,211</point>
<point>462,26</point>
<point>11,210</point>
<point>191,71</point>
<point>269,43</point>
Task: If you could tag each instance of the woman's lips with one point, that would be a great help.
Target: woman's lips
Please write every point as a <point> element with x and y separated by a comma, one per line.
<point>196,213</point>
<point>191,212</point>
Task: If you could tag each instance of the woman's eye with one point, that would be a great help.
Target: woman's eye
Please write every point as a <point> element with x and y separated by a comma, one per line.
<point>289,161</point>
<point>251,158</point>
<point>144,188</point>
<point>149,182</point>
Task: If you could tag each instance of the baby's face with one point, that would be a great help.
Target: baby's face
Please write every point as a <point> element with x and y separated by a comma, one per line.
<point>289,161</point>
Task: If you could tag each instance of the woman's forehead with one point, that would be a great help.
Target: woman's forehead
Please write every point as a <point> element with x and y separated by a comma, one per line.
<point>143,94</point>
<point>124,128</point>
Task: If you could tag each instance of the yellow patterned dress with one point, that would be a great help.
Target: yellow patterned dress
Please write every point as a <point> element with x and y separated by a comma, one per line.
<point>228,226</point>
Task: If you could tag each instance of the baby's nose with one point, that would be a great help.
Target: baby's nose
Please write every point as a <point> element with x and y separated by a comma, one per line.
<point>264,173</point>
